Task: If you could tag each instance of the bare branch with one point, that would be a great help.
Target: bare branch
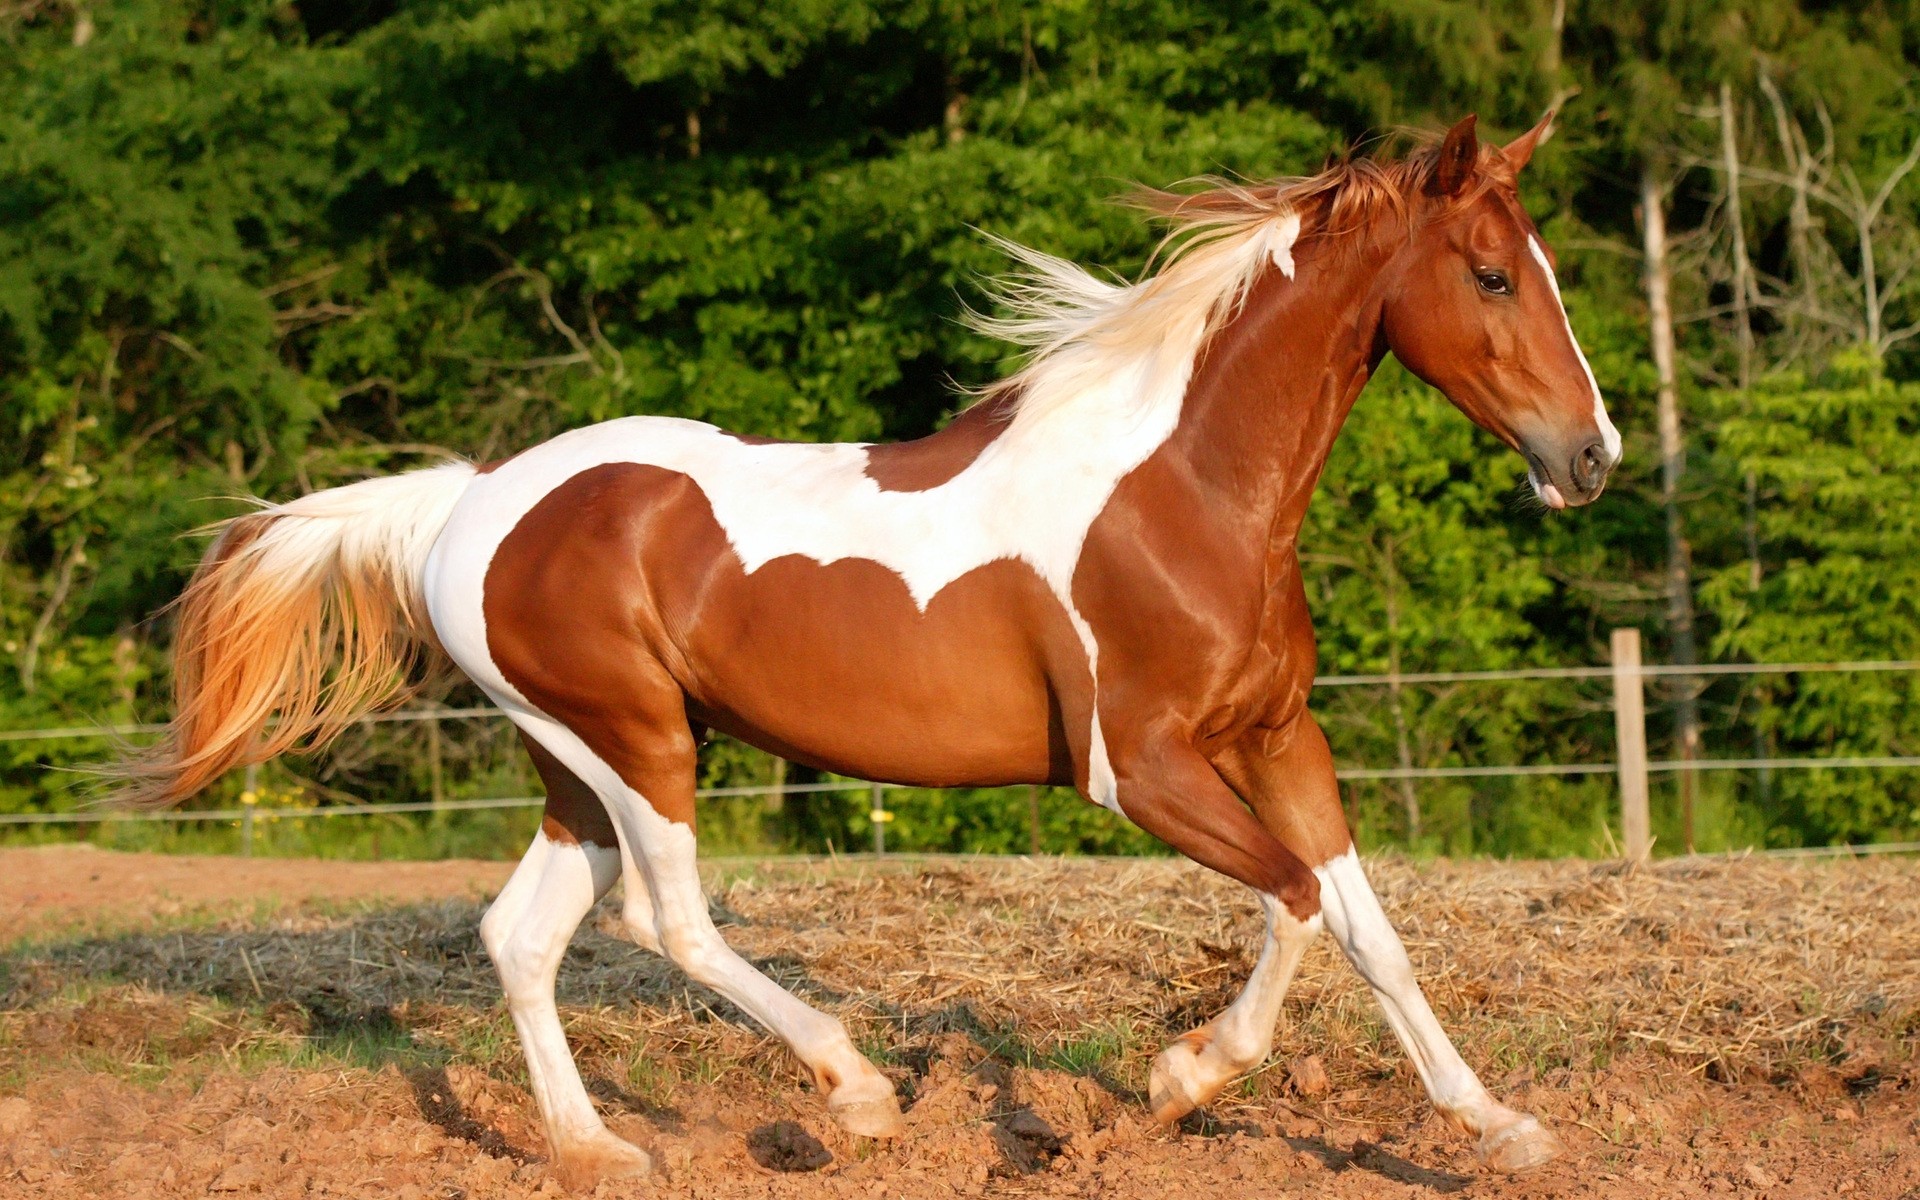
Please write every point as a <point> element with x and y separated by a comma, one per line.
<point>1892,181</point>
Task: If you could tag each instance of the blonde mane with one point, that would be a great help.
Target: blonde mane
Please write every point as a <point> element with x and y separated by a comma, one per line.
<point>1077,328</point>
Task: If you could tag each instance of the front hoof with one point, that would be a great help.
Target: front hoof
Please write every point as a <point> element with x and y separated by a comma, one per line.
<point>1174,1089</point>
<point>1519,1146</point>
<point>587,1163</point>
<point>878,1118</point>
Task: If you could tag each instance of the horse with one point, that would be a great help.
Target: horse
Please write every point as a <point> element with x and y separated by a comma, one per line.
<point>1088,577</point>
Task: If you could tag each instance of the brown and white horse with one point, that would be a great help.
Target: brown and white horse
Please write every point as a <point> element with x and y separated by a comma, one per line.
<point>1090,577</point>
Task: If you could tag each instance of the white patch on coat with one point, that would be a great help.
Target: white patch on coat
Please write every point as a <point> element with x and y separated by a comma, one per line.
<point>1103,392</point>
<point>1609,436</point>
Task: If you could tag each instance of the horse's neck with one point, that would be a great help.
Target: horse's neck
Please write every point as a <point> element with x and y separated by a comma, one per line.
<point>1273,385</point>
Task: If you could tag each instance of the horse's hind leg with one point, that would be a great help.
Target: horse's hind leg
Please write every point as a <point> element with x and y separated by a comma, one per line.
<point>573,861</point>
<point>645,775</point>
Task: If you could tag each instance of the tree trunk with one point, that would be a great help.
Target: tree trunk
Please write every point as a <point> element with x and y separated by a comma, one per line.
<point>1743,291</point>
<point>1743,295</point>
<point>1552,51</point>
<point>1653,224</point>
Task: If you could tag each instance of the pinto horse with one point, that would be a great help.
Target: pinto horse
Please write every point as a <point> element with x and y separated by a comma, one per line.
<point>1090,577</point>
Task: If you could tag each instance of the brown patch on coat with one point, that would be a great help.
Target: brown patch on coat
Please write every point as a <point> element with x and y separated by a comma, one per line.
<point>618,607</point>
<point>918,466</point>
<point>574,814</point>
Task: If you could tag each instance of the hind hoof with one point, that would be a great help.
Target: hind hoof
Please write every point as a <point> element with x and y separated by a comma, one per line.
<point>587,1163</point>
<point>1519,1146</point>
<point>869,1118</point>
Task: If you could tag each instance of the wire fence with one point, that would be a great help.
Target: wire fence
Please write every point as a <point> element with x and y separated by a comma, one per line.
<point>1631,765</point>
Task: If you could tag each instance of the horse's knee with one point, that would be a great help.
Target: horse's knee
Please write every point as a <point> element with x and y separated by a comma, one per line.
<point>1298,891</point>
<point>498,926</point>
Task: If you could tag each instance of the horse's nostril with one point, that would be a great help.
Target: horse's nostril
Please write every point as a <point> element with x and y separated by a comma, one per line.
<point>1590,467</point>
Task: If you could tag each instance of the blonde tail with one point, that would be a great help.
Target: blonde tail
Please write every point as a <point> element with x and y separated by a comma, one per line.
<point>302,618</point>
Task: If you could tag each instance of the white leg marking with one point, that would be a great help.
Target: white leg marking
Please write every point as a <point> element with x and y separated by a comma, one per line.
<point>1357,922</point>
<point>526,931</point>
<point>1509,1141</point>
<point>636,904</point>
<point>1197,1065</point>
<point>663,852</point>
<point>1244,1032</point>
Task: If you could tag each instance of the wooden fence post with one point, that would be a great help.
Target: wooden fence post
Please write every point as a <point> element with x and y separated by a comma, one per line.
<point>436,788</point>
<point>1630,738</point>
<point>249,797</point>
<point>880,817</point>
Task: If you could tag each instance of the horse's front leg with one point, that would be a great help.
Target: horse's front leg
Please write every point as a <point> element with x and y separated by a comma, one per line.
<point>1287,776</point>
<point>1172,792</point>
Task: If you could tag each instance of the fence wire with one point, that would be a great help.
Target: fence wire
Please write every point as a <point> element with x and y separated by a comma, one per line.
<point>1645,671</point>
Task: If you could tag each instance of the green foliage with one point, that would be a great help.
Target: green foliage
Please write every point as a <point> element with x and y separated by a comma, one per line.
<point>263,249</point>
<point>1837,456</point>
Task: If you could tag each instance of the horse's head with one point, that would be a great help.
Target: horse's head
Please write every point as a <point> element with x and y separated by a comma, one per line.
<point>1473,308</point>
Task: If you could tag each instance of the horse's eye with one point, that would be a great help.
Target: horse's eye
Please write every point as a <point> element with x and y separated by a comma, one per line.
<point>1495,283</point>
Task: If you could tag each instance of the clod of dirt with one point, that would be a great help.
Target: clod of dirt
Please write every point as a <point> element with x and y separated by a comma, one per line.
<point>1307,1076</point>
<point>15,1115</point>
<point>1026,1140</point>
<point>785,1146</point>
<point>1071,1105</point>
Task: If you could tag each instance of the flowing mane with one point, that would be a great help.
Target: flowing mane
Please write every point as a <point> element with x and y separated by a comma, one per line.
<point>1077,327</point>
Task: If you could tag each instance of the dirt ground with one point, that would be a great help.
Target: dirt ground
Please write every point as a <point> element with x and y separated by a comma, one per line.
<point>177,1027</point>
<point>54,888</point>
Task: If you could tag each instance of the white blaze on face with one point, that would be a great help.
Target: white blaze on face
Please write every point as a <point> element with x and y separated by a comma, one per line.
<point>1609,436</point>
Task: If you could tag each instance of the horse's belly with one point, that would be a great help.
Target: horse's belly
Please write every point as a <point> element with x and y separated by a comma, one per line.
<point>834,665</point>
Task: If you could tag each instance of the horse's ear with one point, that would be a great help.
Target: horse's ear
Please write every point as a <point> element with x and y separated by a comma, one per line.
<point>1458,161</point>
<point>1519,152</point>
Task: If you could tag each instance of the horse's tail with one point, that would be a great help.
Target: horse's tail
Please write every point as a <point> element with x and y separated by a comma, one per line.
<point>302,618</point>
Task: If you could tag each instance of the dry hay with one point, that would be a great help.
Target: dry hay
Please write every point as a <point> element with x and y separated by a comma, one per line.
<point>350,1052</point>
<point>1733,968</point>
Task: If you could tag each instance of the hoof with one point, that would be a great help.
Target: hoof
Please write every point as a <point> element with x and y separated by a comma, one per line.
<point>591,1161</point>
<point>1519,1146</point>
<point>1175,1089</point>
<point>878,1118</point>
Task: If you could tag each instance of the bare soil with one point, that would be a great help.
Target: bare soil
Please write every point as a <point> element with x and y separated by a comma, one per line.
<point>57,888</point>
<point>186,1027</point>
